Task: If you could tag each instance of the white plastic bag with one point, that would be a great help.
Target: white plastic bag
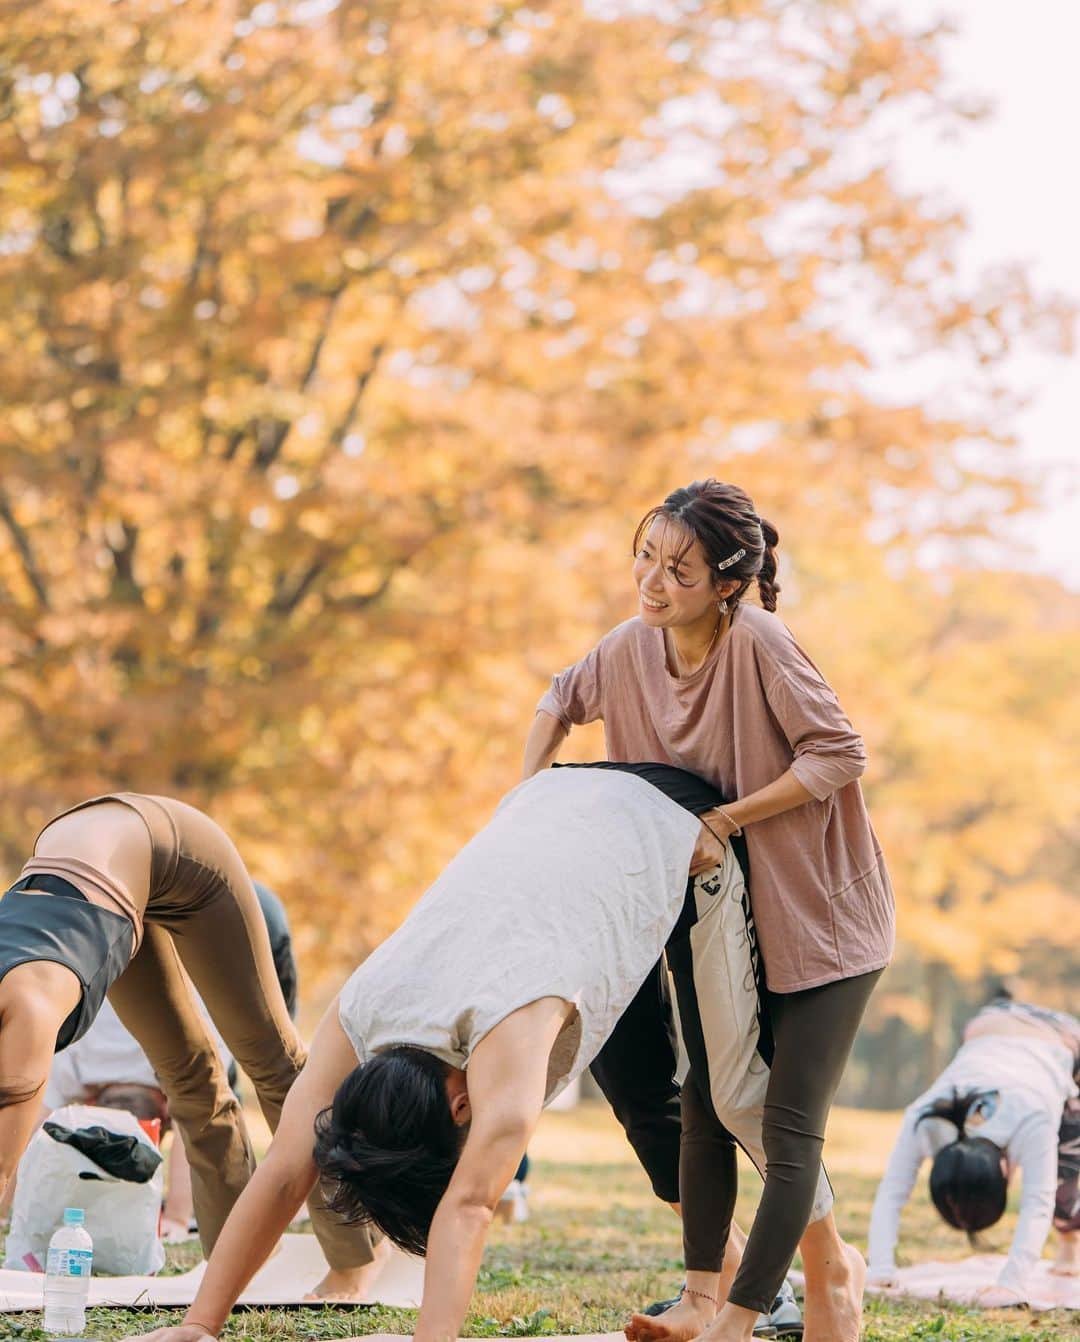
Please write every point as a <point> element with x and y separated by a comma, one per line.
<point>122,1217</point>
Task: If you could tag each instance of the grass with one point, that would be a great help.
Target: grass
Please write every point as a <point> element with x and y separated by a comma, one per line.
<point>598,1243</point>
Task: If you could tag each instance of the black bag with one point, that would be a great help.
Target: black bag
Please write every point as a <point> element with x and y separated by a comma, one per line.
<point>123,1157</point>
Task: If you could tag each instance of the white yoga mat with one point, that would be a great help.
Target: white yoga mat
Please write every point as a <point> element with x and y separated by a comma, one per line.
<point>959,1281</point>
<point>295,1267</point>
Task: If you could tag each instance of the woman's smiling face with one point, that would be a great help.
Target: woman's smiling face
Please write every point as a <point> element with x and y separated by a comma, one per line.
<point>675,586</point>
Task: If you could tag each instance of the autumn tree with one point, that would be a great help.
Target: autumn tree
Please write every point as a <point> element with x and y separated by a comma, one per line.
<point>963,684</point>
<point>343,342</point>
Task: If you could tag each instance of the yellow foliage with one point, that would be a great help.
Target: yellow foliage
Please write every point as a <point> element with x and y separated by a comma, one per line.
<point>343,352</point>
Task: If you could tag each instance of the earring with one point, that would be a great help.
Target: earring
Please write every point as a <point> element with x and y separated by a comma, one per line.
<point>721,606</point>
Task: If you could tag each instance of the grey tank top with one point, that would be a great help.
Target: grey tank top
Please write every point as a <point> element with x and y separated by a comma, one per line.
<point>570,891</point>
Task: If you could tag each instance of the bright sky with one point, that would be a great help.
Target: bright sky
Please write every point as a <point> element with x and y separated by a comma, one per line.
<point>1015,175</point>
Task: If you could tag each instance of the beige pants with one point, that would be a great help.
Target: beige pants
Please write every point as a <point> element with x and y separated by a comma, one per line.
<point>200,914</point>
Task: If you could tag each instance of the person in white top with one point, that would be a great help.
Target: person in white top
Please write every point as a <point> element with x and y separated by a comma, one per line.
<point>108,1067</point>
<point>497,990</point>
<point>1006,1103</point>
<point>108,1055</point>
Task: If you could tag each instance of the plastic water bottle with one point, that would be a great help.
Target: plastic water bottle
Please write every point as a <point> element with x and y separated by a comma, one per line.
<point>67,1275</point>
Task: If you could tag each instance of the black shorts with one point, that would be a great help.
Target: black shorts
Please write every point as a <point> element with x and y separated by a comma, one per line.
<point>1067,1201</point>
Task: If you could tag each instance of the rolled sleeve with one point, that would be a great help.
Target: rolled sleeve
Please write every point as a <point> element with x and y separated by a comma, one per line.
<point>828,751</point>
<point>575,694</point>
<point>552,704</point>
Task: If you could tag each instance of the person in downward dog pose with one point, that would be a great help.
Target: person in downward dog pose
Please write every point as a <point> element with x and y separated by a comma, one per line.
<point>701,680</point>
<point>130,895</point>
<point>107,1067</point>
<point>422,1101</point>
<point>1006,1102</point>
<point>678,1132</point>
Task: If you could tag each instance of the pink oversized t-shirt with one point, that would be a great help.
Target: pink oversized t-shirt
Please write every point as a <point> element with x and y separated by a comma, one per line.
<point>758,706</point>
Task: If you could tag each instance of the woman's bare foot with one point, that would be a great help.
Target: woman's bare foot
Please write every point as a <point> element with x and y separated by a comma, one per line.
<point>174,1232</point>
<point>733,1323</point>
<point>832,1308</point>
<point>681,1323</point>
<point>352,1285</point>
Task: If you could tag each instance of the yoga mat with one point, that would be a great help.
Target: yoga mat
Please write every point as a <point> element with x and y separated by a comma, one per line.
<point>959,1281</point>
<point>295,1267</point>
<point>573,1337</point>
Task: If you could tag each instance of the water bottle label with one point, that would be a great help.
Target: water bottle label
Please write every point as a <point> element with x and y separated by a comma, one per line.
<point>69,1262</point>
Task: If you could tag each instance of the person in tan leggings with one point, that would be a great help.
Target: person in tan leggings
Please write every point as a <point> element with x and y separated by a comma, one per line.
<point>141,897</point>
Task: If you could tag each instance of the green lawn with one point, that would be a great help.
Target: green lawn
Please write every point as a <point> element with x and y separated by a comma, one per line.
<point>598,1244</point>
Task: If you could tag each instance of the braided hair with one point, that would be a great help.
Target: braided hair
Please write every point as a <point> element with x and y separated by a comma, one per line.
<point>723,519</point>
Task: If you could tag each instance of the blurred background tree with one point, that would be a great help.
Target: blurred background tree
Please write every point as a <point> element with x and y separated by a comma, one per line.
<point>344,343</point>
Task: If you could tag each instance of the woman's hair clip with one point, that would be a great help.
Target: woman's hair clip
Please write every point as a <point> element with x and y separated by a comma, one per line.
<point>731,559</point>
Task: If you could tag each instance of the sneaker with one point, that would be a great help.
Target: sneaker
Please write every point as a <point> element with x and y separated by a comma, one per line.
<point>661,1306</point>
<point>763,1328</point>
<point>513,1207</point>
<point>785,1315</point>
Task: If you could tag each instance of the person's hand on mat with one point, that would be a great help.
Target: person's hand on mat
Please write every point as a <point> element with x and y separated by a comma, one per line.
<point>882,1276</point>
<point>710,850</point>
<point>998,1297</point>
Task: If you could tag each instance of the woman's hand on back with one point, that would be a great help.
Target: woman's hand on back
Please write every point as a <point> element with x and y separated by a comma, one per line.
<point>710,851</point>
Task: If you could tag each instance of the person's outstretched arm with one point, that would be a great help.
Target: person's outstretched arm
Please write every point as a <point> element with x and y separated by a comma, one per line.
<point>31,1012</point>
<point>1033,1150</point>
<point>543,743</point>
<point>507,1078</point>
<point>893,1193</point>
<point>276,1192</point>
<point>574,698</point>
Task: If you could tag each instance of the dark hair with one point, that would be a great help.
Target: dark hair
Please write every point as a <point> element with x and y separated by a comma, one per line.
<point>967,1183</point>
<point>723,518</point>
<point>387,1146</point>
<point>145,1102</point>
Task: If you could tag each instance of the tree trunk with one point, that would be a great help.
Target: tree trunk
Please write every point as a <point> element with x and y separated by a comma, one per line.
<point>939,1034</point>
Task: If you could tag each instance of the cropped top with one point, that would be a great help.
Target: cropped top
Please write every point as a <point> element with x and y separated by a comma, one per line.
<point>44,917</point>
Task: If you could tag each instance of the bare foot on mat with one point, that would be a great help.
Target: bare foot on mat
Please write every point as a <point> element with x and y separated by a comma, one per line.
<point>681,1323</point>
<point>352,1285</point>
<point>833,1305</point>
<point>1067,1262</point>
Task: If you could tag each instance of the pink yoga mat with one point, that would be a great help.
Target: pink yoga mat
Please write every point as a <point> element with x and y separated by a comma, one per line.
<point>959,1281</point>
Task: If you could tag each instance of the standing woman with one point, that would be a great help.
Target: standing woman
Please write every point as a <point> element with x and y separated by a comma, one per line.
<point>700,680</point>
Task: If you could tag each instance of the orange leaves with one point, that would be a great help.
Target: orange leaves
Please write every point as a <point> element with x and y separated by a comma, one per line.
<point>339,364</point>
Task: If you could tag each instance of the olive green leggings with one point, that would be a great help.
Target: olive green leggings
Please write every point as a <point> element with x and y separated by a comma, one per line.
<point>813,1033</point>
